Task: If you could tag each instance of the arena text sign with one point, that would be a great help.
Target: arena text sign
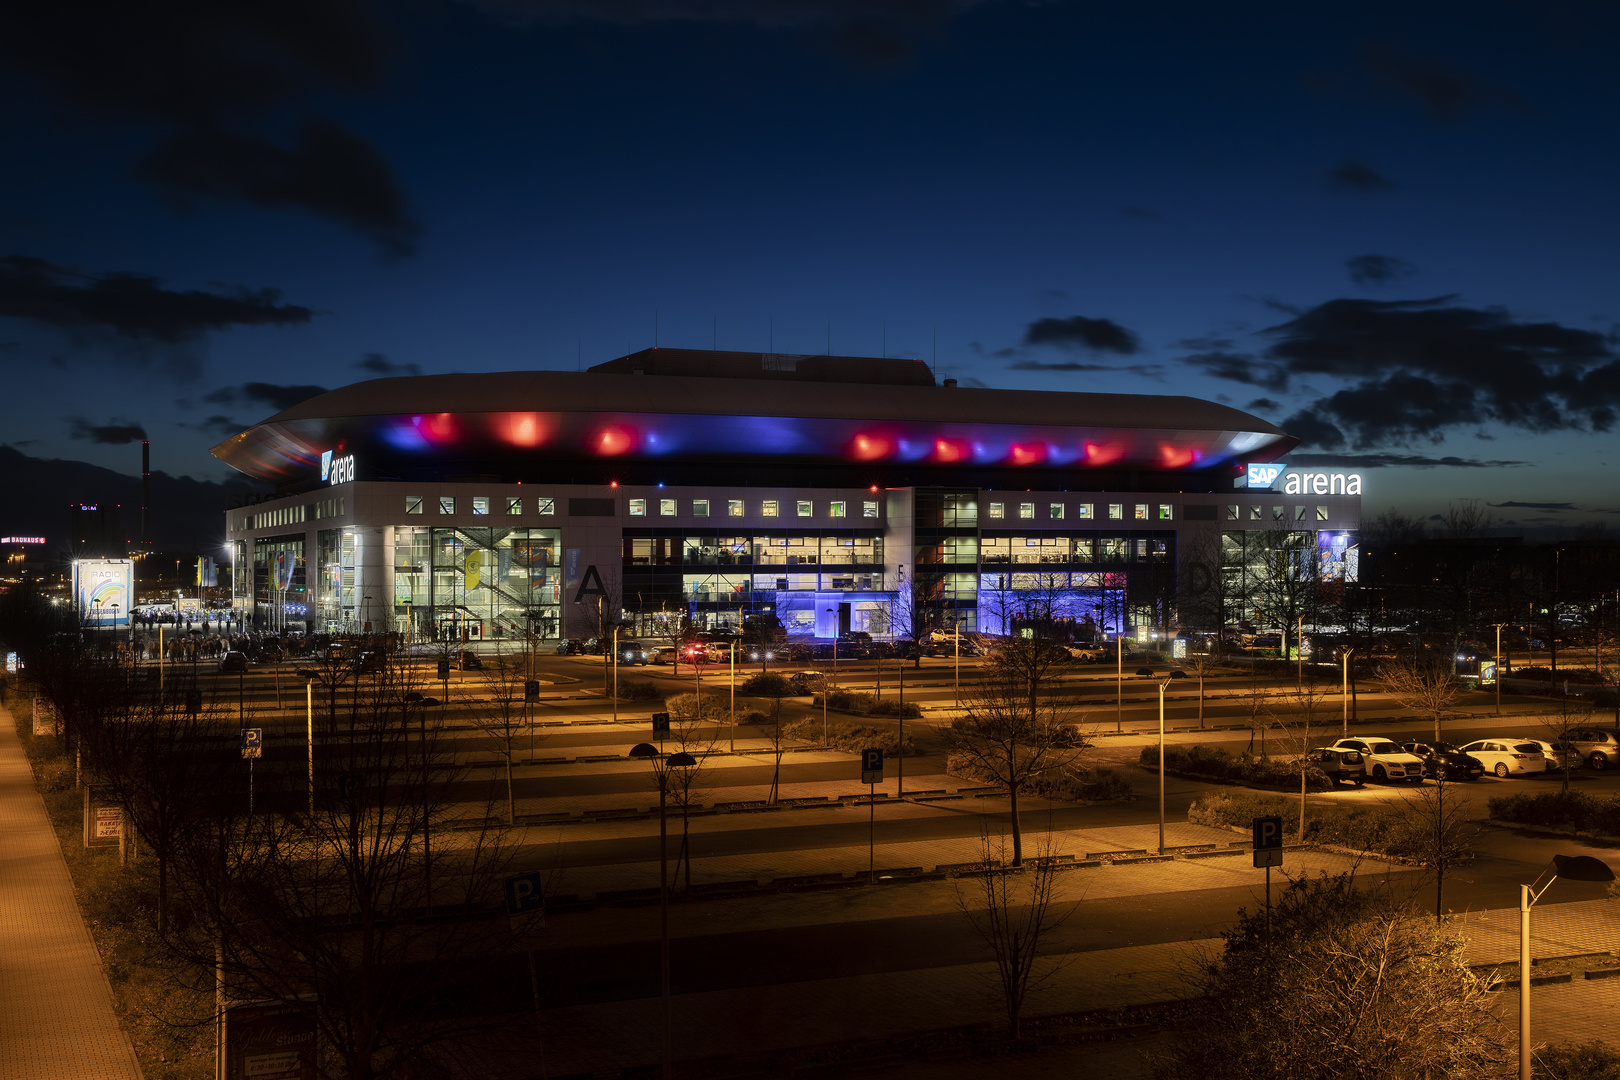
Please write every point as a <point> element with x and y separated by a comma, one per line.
<point>337,470</point>
<point>1282,478</point>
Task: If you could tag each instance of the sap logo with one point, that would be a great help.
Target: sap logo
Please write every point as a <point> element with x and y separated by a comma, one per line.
<point>326,464</point>
<point>337,470</point>
<point>1263,476</point>
<point>1322,483</point>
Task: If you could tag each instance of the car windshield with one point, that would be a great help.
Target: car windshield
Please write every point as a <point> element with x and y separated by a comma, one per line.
<point>1385,748</point>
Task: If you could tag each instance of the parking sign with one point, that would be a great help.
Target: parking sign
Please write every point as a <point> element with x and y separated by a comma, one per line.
<point>872,766</point>
<point>660,722</point>
<point>252,742</point>
<point>525,898</point>
<point>1268,841</point>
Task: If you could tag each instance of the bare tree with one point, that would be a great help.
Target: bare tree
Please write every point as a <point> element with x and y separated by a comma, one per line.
<point>1011,736</point>
<point>1442,832</point>
<point>1200,666</point>
<point>1013,909</point>
<point>1423,682</point>
<point>500,715</point>
<point>774,688</point>
<point>1467,519</point>
<point>694,728</point>
<point>1297,726</point>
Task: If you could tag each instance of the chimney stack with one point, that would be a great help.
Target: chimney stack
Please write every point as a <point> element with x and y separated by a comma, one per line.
<point>146,495</point>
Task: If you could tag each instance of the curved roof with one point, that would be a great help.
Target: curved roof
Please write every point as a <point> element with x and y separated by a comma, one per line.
<point>595,414</point>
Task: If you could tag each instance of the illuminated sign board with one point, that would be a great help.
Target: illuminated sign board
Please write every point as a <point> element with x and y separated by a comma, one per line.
<point>1263,476</point>
<point>336,470</point>
<point>1274,476</point>
<point>22,539</point>
<point>104,590</point>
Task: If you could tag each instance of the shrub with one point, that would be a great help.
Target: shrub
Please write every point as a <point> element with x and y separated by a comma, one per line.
<point>867,705</point>
<point>1560,810</point>
<point>1216,764</point>
<point>630,690</point>
<point>1380,829</point>
<point>1076,784</point>
<point>767,684</point>
<point>753,717</point>
<point>1587,1061</point>
<point>843,735</point>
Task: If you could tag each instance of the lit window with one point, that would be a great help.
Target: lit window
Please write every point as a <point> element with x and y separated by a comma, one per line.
<point>514,504</point>
<point>1055,511</point>
<point>545,506</point>
<point>1141,512</point>
<point>1116,511</point>
<point>413,504</point>
<point>666,507</point>
<point>869,509</point>
<point>1254,513</point>
<point>806,508</point>
<point>1232,512</point>
<point>998,510</point>
<point>835,508</point>
<point>1321,513</point>
<point>481,506</point>
<point>1277,513</point>
<point>700,507</point>
<point>1026,511</point>
<point>447,504</point>
<point>1083,511</point>
<point>638,507</point>
<point>1165,512</point>
<point>1299,513</point>
<point>770,508</point>
<point>734,508</point>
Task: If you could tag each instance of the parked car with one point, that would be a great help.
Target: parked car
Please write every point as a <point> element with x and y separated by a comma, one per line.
<point>1086,654</point>
<point>807,682</point>
<point>467,660</point>
<point>1385,759</point>
<point>1341,764</point>
<point>1442,758</point>
<point>1508,757</point>
<point>632,652</point>
<point>1553,756</point>
<point>664,654</point>
<point>233,663</point>
<point>1598,749</point>
<point>370,661</point>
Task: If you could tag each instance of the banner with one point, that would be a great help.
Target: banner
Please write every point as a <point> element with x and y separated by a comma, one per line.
<point>503,565</point>
<point>570,568</point>
<point>104,590</point>
<point>207,578</point>
<point>474,566</point>
<point>282,567</point>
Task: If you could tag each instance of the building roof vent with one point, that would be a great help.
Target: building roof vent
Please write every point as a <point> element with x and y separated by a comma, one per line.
<point>950,383</point>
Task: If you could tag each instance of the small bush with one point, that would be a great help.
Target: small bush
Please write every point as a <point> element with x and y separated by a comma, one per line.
<point>1552,809</point>
<point>1216,764</point>
<point>1587,1061</point>
<point>639,691</point>
<point>867,705</point>
<point>843,735</point>
<point>1378,829</point>
<point>753,718</point>
<point>767,684</point>
<point>1075,784</point>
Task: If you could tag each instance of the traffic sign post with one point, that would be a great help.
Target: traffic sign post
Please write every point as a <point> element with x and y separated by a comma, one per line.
<point>526,904</point>
<point>660,723</point>
<point>871,776</point>
<point>252,750</point>
<point>1268,843</point>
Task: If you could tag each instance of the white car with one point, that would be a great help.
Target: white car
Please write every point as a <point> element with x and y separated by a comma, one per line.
<point>1086,654</point>
<point>1384,759</point>
<point>1509,757</point>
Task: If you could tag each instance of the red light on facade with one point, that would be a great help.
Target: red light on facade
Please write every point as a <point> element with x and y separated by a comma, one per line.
<point>615,440</point>
<point>613,483</point>
<point>520,429</point>
<point>441,427</point>
<point>872,447</point>
<point>950,450</point>
<point>1176,457</point>
<point>873,489</point>
<point>1103,453</point>
<point>1028,455</point>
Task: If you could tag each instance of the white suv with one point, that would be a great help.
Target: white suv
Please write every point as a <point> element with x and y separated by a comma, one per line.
<point>1595,747</point>
<point>1384,759</point>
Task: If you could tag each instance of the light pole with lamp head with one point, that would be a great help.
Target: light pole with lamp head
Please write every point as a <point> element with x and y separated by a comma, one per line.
<point>661,766</point>
<point>1572,868</point>
<point>1148,673</point>
<point>826,691</point>
<point>1344,693</point>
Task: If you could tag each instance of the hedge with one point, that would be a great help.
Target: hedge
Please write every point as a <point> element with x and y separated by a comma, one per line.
<point>1560,810</point>
<point>1211,763</point>
<point>1080,785</point>
<point>1380,829</point>
<point>867,705</point>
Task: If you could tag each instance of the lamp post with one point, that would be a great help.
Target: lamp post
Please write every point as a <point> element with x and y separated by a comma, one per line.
<point>1119,681</point>
<point>1299,651</point>
<point>734,697</point>
<point>1344,692</point>
<point>1573,868</point>
<point>661,769</point>
<point>1147,673</point>
<point>309,677</point>
<point>1499,667</point>
<point>615,673</point>
<point>826,691</point>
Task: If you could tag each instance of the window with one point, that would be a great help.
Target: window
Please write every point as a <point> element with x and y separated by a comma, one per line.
<point>545,506</point>
<point>1277,513</point>
<point>869,510</point>
<point>413,504</point>
<point>1055,511</point>
<point>1141,512</point>
<point>1166,512</point>
<point>835,508</point>
<point>1321,513</point>
<point>700,507</point>
<point>447,504</point>
<point>514,504</point>
<point>1083,511</point>
<point>481,506</point>
<point>1232,512</point>
<point>666,507</point>
<point>1116,511</point>
<point>1083,549</point>
<point>1026,511</point>
<point>1299,513</point>
<point>638,507</point>
<point>734,508</point>
<point>998,510</point>
<point>806,508</point>
<point>770,508</point>
<point>1254,513</point>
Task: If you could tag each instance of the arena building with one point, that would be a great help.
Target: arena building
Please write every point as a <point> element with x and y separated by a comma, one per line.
<point>836,493</point>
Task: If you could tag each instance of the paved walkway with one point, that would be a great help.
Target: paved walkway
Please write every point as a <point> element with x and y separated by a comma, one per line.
<point>56,1009</point>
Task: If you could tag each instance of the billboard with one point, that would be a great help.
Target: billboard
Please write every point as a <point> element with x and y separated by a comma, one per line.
<point>105,591</point>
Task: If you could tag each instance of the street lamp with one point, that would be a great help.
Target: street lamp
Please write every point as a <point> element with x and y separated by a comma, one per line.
<point>1344,660</point>
<point>1573,868</point>
<point>309,676</point>
<point>1147,673</point>
<point>661,767</point>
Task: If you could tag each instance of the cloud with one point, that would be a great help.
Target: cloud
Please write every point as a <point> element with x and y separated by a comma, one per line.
<point>1390,461</point>
<point>1147,371</point>
<point>216,86</point>
<point>113,433</point>
<point>378,364</point>
<point>1373,270</point>
<point>275,395</point>
<point>1536,505</point>
<point>1415,369</point>
<point>1445,92</point>
<point>1262,403</point>
<point>1080,332</point>
<point>1351,175</point>
<point>134,306</point>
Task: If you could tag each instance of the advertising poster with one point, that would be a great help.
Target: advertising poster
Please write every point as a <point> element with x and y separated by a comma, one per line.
<point>44,717</point>
<point>105,589</point>
<point>207,575</point>
<point>109,823</point>
<point>270,1041</point>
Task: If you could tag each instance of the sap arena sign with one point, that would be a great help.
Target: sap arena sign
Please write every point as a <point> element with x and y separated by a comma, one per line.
<point>1277,477</point>
<point>336,470</point>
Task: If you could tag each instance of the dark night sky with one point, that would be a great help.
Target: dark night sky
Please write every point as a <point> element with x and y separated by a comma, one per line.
<point>1390,227</point>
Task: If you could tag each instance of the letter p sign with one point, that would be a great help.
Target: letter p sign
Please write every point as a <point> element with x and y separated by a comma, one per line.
<point>1268,841</point>
<point>524,896</point>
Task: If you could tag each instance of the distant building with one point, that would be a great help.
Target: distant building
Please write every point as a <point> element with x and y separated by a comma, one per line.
<point>97,531</point>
